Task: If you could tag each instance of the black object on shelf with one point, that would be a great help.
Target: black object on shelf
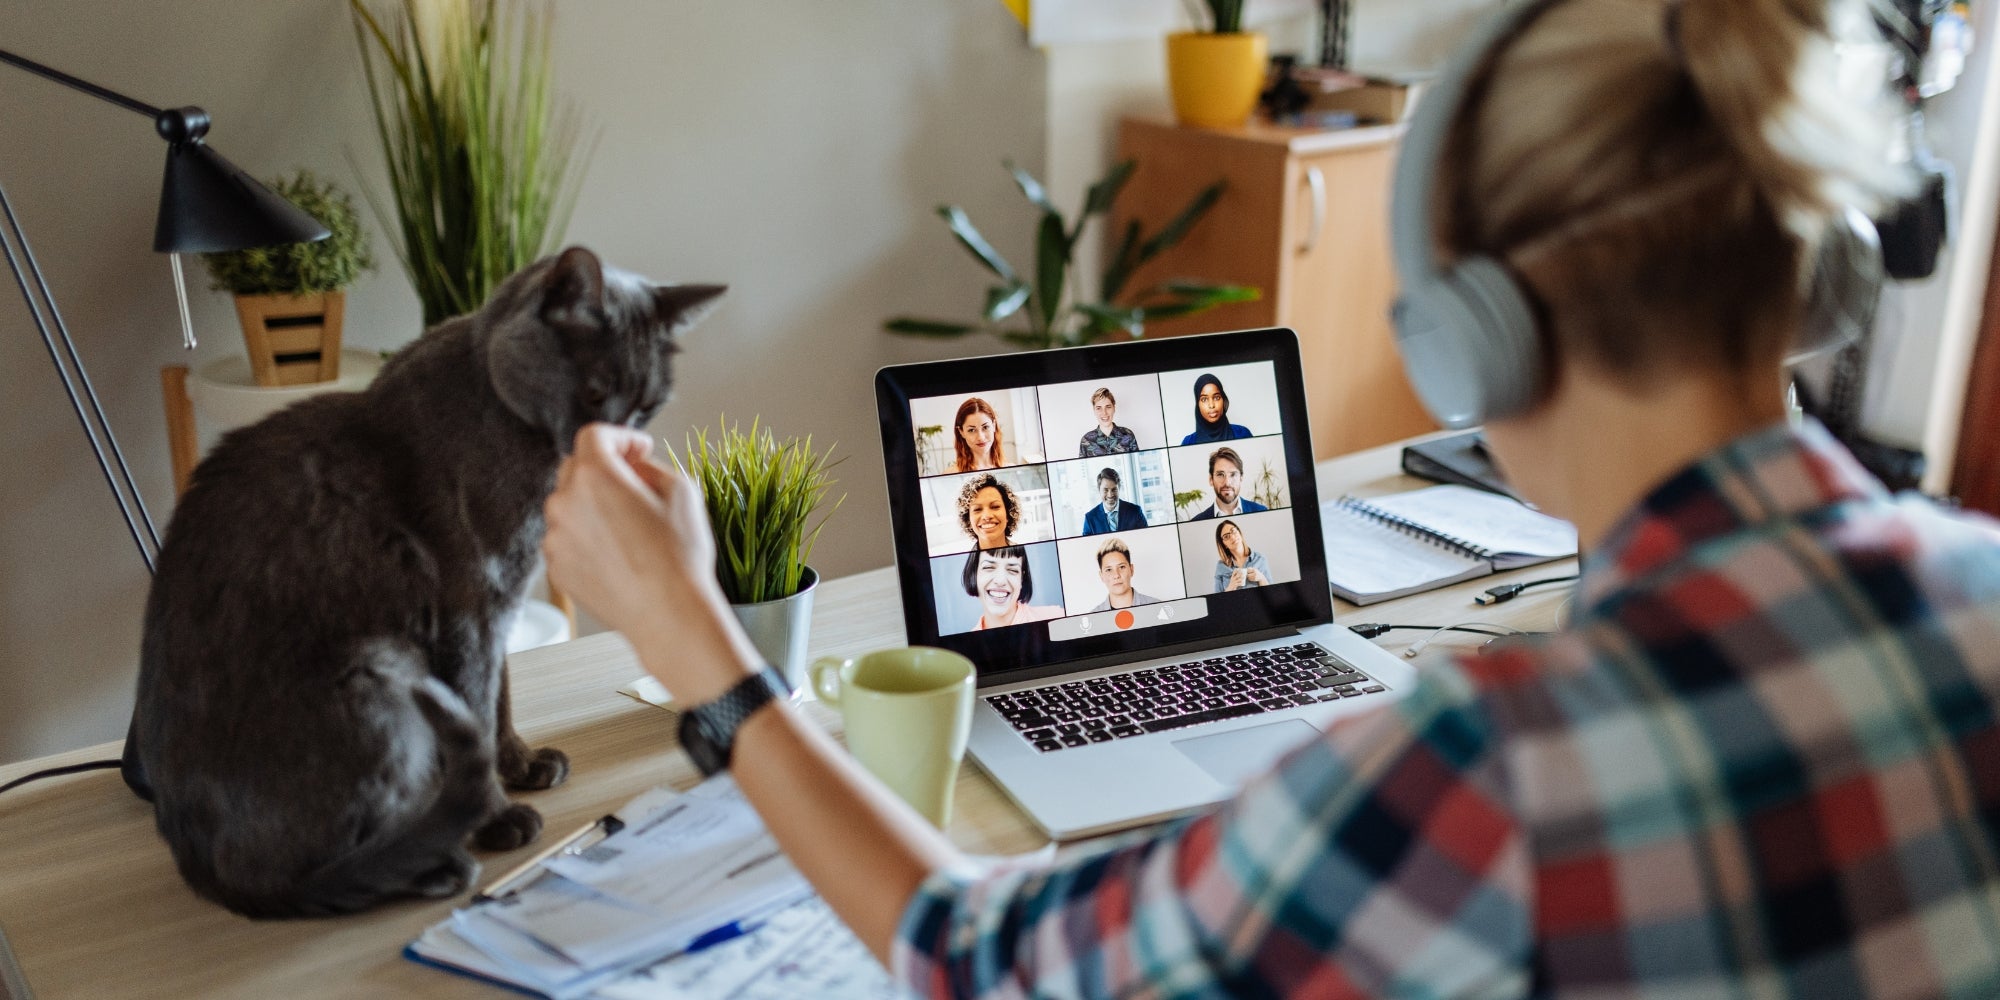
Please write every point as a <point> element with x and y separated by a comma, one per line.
<point>1461,459</point>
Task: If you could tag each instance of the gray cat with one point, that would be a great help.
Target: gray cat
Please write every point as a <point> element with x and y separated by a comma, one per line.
<point>322,718</point>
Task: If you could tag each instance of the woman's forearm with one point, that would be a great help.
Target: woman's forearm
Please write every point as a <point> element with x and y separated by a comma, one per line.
<point>860,846</point>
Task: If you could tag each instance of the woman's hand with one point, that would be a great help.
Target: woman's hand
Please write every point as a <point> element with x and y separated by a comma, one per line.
<point>629,539</point>
<point>1256,576</point>
<point>1235,578</point>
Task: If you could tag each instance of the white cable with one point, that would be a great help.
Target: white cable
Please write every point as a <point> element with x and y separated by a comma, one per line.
<point>1420,644</point>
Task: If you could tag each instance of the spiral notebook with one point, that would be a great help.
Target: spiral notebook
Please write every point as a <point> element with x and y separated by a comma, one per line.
<point>1392,546</point>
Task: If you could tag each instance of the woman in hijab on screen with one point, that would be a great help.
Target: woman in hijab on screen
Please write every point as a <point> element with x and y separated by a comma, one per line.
<point>1211,414</point>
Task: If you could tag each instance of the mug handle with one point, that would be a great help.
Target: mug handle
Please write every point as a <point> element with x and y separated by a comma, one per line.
<point>825,677</point>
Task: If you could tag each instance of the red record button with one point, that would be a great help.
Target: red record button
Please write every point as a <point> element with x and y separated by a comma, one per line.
<point>1124,619</point>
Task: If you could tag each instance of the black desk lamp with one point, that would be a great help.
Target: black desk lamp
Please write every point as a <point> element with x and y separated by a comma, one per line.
<point>207,204</point>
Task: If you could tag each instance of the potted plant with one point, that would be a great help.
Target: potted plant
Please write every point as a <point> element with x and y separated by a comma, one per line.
<point>762,494</point>
<point>290,298</point>
<point>479,155</point>
<point>1215,75</point>
<point>1039,300</point>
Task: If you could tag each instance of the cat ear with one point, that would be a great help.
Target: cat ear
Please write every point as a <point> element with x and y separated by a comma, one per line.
<point>573,292</point>
<point>685,305</point>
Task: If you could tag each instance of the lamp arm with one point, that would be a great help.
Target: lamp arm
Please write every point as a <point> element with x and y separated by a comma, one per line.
<point>101,93</point>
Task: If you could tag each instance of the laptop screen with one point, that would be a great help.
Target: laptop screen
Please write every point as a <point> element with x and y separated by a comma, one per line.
<point>1057,508</point>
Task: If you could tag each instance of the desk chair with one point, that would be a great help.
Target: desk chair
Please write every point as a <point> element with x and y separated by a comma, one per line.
<point>184,446</point>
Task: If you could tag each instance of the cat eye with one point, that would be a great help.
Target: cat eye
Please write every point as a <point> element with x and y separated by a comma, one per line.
<point>594,397</point>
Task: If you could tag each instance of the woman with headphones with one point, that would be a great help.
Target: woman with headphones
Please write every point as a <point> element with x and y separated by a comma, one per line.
<point>1764,758</point>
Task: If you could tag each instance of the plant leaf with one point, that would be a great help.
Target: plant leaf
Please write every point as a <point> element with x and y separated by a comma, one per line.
<point>1177,229</point>
<point>1192,298</point>
<point>1105,192</point>
<point>1003,301</point>
<point>928,327</point>
<point>968,235</point>
<point>1118,269</point>
<point>1109,318</point>
<point>1051,267</point>
<point>1031,187</point>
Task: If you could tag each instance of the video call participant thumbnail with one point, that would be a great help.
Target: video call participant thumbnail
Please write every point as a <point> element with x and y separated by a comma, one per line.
<point>976,438</point>
<point>1112,514</point>
<point>988,511</point>
<point>1114,568</point>
<point>1211,414</point>
<point>1003,584</point>
<point>1107,438</point>
<point>1237,565</point>
<point>1225,478</point>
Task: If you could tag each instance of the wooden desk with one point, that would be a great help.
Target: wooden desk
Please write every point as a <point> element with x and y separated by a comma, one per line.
<point>94,908</point>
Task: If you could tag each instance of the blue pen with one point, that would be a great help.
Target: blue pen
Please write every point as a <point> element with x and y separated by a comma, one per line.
<point>729,931</point>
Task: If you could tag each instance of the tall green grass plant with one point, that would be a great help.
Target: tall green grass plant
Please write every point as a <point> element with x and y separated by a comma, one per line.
<point>482,163</point>
<point>761,494</point>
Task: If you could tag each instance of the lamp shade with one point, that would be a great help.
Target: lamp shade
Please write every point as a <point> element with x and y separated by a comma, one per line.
<point>208,204</point>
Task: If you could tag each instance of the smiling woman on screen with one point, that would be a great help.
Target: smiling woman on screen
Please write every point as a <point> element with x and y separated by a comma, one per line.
<point>1003,584</point>
<point>976,437</point>
<point>988,511</point>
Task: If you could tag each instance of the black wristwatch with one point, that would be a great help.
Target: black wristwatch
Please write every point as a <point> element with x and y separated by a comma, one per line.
<point>708,731</point>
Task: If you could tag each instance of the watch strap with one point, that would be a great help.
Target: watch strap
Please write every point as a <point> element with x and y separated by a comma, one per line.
<point>708,730</point>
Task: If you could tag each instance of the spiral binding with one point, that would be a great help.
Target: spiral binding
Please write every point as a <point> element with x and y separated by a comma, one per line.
<point>1396,522</point>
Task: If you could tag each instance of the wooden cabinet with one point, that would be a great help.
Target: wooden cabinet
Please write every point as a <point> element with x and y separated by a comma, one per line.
<point>1305,218</point>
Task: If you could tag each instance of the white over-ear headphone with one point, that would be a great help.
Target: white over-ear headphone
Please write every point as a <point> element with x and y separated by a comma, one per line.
<point>1467,330</point>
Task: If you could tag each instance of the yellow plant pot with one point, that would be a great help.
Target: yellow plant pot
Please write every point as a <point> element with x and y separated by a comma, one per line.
<point>1215,79</point>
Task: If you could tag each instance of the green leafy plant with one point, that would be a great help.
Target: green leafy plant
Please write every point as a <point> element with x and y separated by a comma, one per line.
<point>927,436</point>
<point>1185,499</point>
<point>481,166</point>
<point>299,268</point>
<point>761,494</point>
<point>1039,299</point>
<point>1225,17</point>
<point>1267,490</point>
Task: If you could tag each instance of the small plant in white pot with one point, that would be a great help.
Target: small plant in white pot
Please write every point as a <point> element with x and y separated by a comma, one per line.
<point>290,298</point>
<point>762,495</point>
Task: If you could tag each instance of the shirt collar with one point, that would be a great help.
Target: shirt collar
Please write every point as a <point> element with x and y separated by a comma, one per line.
<point>1776,473</point>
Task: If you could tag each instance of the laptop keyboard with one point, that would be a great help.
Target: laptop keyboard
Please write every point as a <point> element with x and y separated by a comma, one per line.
<point>1156,699</point>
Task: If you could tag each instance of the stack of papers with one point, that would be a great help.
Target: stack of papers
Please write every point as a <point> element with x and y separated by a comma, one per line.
<point>686,873</point>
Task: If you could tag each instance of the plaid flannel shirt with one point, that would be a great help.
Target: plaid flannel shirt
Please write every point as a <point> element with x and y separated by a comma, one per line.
<point>1762,762</point>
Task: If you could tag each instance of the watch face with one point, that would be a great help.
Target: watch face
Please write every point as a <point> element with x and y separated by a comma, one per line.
<point>701,748</point>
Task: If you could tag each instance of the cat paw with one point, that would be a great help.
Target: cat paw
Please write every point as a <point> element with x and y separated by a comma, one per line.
<point>516,825</point>
<point>544,768</point>
<point>447,879</point>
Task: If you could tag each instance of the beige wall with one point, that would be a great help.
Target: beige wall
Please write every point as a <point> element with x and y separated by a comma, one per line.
<point>792,148</point>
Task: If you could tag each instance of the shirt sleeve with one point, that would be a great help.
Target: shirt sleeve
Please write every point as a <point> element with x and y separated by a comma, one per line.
<point>1378,860</point>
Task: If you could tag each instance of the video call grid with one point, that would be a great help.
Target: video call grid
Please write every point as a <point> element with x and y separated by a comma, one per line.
<point>948,569</point>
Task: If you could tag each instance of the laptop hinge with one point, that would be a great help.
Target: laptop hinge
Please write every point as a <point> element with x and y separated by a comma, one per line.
<point>1023,674</point>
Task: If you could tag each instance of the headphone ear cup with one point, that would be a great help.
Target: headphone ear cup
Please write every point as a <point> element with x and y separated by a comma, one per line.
<point>1467,338</point>
<point>1510,350</point>
<point>1846,286</point>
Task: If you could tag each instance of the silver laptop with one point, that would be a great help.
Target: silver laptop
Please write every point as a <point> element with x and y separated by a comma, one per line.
<point>1125,539</point>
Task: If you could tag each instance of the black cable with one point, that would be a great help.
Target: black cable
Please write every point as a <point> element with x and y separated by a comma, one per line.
<point>1507,592</point>
<point>1369,630</point>
<point>54,772</point>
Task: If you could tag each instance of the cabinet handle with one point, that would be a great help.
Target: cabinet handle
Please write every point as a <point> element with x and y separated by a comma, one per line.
<point>1316,184</point>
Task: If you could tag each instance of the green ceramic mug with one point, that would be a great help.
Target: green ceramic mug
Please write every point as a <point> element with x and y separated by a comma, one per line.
<point>908,714</point>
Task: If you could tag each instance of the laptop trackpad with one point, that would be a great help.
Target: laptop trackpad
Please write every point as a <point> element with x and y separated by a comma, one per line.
<point>1237,756</point>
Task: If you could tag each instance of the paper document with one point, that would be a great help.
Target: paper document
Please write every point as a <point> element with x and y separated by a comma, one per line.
<point>684,868</point>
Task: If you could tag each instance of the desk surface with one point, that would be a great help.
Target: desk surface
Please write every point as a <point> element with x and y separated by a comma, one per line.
<point>93,906</point>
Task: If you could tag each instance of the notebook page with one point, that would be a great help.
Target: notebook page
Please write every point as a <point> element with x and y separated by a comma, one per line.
<point>1493,523</point>
<point>1365,557</point>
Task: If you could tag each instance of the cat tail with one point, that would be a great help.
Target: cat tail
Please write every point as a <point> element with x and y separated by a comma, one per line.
<point>425,857</point>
